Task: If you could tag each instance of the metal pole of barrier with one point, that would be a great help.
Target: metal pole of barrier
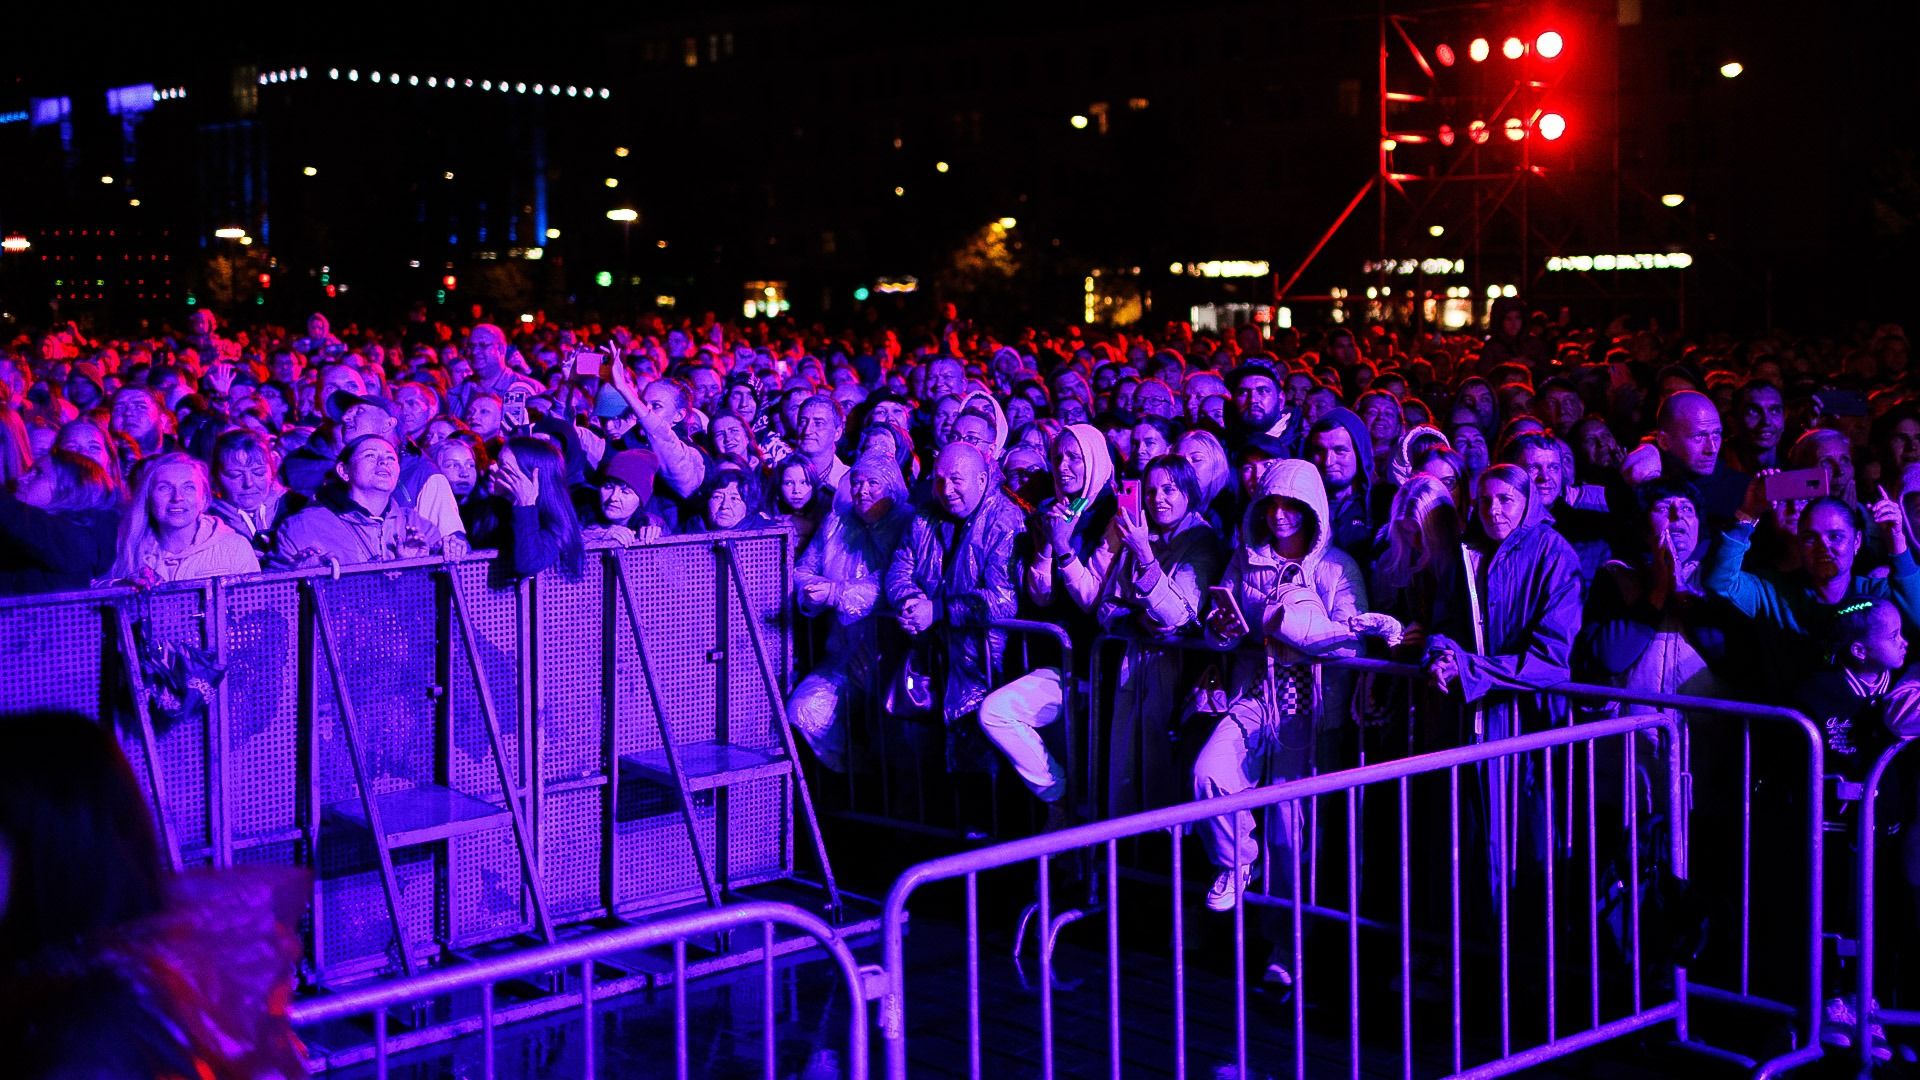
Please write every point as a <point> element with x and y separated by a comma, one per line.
<point>1677,836</point>
<point>1353,929</point>
<point>1046,972</point>
<point>380,1043</point>
<point>1239,965</point>
<point>487,1062</point>
<point>1113,956</point>
<point>1453,889</point>
<point>1406,935</point>
<point>1746,856</point>
<point>1553,856</point>
<point>1504,853</point>
<point>1299,947</point>
<point>1179,962</point>
<point>1632,815</point>
<point>149,745</point>
<point>589,1045</point>
<point>680,1008</point>
<point>769,1034</point>
<point>973,975</point>
<point>1593,895</point>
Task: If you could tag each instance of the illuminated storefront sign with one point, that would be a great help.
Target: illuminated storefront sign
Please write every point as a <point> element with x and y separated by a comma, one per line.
<point>1224,268</point>
<point>1676,260</point>
<point>1409,266</point>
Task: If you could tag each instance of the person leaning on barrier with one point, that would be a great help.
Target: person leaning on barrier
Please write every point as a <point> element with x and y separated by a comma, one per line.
<point>528,515</point>
<point>57,531</point>
<point>620,507</point>
<point>248,495</point>
<point>1296,598</point>
<point>1168,557</point>
<point>359,520</point>
<point>1069,547</point>
<point>167,533</point>
<point>839,575</point>
<point>956,571</point>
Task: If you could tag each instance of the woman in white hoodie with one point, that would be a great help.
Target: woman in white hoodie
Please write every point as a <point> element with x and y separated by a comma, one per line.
<point>1295,598</point>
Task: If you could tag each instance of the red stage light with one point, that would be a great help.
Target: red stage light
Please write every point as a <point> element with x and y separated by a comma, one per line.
<point>1548,45</point>
<point>1516,130</point>
<point>1513,48</point>
<point>1477,131</point>
<point>1479,50</point>
<point>1551,126</point>
<point>1446,135</point>
<point>1444,53</point>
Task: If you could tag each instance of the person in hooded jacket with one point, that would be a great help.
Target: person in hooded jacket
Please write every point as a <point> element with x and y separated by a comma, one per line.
<point>1168,556</point>
<point>1506,634</point>
<point>1295,598</point>
<point>956,571</point>
<point>1339,447</point>
<point>1065,566</point>
<point>839,575</point>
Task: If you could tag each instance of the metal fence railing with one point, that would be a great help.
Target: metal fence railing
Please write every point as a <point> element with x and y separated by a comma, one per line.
<point>577,959</point>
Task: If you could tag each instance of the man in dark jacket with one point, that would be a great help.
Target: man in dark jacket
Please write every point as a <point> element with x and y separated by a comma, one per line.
<point>1341,450</point>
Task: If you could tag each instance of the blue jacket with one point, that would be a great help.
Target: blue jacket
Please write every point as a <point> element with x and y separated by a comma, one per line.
<point>1528,588</point>
<point>966,569</point>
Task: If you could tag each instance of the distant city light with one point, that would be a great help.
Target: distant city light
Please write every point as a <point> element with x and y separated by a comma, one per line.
<point>621,151</point>
<point>525,318</point>
<point>940,166</point>
<point>1674,199</point>
<point>1513,48</point>
<point>1731,69</point>
<point>623,214</point>
<point>133,202</point>
<point>246,241</point>
<point>1008,223</point>
<point>1674,260</point>
<point>613,182</point>
<point>553,234</point>
<point>1436,230</point>
<point>1176,268</point>
<point>106,179</point>
<point>1479,50</point>
<point>1548,45</point>
<point>661,244</point>
<point>1079,122</point>
<point>899,191</point>
<point>861,293</point>
<point>446,175</point>
<point>230,233</point>
<point>604,279</point>
<point>311,171</point>
<point>15,244</point>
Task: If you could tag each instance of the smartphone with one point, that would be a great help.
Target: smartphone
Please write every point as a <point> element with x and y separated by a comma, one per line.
<point>1130,497</point>
<point>1222,597</point>
<point>589,365</point>
<point>1797,484</point>
<point>514,409</point>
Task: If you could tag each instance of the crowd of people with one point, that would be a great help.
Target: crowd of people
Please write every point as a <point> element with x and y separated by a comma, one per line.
<point>1507,510</point>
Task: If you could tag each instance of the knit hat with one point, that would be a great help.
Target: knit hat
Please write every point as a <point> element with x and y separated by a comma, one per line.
<point>634,468</point>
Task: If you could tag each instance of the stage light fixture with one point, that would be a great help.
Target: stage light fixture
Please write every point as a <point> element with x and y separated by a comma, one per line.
<point>1444,53</point>
<point>1516,129</point>
<point>1548,45</point>
<point>1479,50</point>
<point>1551,126</point>
<point>1513,48</point>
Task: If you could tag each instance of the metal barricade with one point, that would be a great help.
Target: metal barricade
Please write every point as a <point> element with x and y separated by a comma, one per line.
<point>1803,1018</point>
<point>577,958</point>
<point>1170,821</point>
<point>496,732</point>
<point>1866,1005</point>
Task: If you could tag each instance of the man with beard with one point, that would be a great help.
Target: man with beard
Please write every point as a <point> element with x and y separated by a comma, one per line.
<point>1259,408</point>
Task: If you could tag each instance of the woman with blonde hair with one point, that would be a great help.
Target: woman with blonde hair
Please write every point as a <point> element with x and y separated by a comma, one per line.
<point>168,535</point>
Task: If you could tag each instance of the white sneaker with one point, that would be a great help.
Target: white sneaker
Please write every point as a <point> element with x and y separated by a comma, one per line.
<point>1226,890</point>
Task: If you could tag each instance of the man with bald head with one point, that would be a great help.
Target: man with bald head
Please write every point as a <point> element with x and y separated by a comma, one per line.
<point>956,570</point>
<point>1685,449</point>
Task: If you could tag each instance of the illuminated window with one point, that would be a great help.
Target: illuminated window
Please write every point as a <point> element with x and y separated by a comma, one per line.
<point>690,52</point>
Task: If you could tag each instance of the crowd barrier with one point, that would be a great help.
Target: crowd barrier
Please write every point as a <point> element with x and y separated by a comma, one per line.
<point>1868,846</point>
<point>578,958</point>
<point>399,700</point>
<point>1680,718</point>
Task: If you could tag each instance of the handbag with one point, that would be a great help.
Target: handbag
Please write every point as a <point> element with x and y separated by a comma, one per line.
<point>910,692</point>
<point>1206,703</point>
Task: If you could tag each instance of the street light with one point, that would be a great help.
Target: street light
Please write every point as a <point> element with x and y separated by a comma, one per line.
<point>1731,69</point>
<point>1079,122</point>
<point>623,214</point>
<point>1436,230</point>
<point>230,233</point>
<point>1674,199</point>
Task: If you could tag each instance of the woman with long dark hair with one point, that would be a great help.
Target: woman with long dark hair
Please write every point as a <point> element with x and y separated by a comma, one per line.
<point>531,519</point>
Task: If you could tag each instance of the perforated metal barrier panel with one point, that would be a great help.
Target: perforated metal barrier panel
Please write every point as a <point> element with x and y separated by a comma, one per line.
<point>263,775</point>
